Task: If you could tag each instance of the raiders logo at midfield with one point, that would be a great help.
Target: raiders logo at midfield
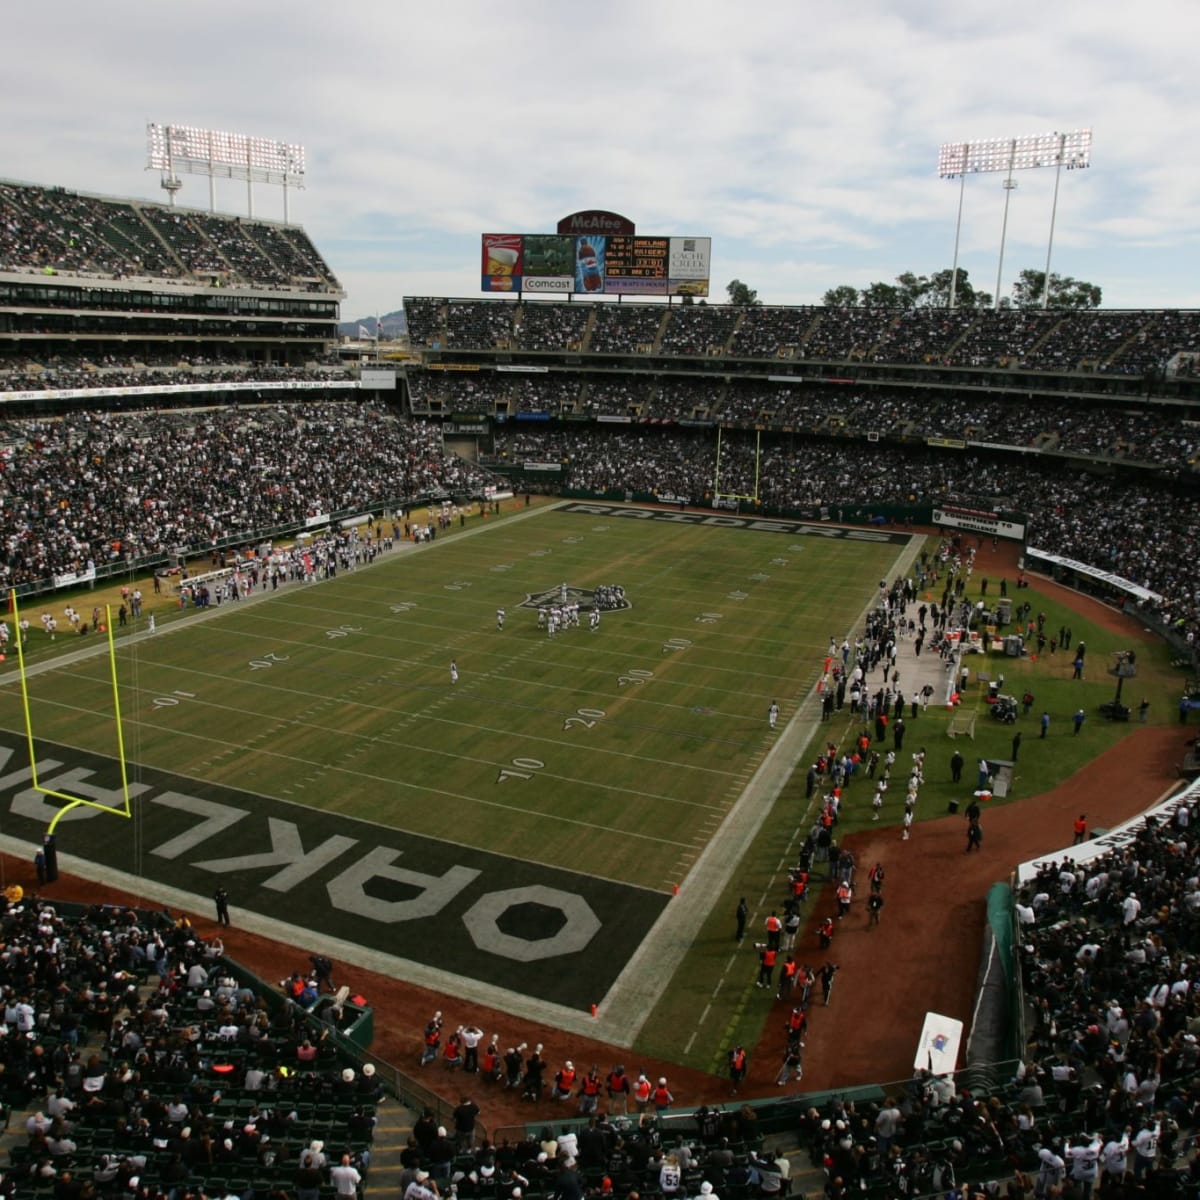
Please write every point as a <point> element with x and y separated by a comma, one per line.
<point>606,597</point>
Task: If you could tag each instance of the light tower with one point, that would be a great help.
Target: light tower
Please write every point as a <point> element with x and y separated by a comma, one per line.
<point>957,160</point>
<point>172,148</point>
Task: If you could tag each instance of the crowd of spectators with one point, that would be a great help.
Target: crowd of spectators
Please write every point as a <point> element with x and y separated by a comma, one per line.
<point>552,326</point>
<point>55,231</point>
<point>1165,437</point>
<point>1093,341</point>
<point>93,488</point>
<point>699,329</point>
<point>151,1071</point>
<point>626,328</point>
<point>109,371</point>
<point>474,326</point>
<point>1138,528</point>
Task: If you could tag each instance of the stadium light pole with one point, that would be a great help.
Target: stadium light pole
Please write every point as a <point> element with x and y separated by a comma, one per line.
<point>958,159</point>
<point>172,148</point>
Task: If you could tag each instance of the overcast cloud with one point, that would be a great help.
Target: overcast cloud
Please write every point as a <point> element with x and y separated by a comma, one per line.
<point>802,137</point>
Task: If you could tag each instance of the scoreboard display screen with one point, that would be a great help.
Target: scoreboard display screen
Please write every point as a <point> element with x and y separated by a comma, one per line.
<point>599,264</point>
<point>636,265</point>
<point>637,257</point>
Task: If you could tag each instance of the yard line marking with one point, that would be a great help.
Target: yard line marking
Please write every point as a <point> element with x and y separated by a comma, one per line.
<point>400,783</point>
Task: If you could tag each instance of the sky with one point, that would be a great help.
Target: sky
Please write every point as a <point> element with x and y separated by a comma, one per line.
<point>801,137</point>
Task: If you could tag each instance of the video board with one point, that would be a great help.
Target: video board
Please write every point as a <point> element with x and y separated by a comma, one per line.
<point>596,264</point>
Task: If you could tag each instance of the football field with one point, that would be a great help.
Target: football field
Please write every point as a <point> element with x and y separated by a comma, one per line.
<point>522,826</point>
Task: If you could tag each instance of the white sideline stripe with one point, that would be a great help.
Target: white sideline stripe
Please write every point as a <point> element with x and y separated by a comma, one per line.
<point>646,975</point>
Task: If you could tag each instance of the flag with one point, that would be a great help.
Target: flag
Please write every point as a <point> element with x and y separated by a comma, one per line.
<point>363,332</point>
<point>378,329</point>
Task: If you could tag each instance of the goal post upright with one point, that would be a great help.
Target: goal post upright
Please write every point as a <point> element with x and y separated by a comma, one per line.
<point>70,801</point>
<point>739,496</point>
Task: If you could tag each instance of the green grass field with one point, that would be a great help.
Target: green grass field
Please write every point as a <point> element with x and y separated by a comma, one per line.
<point>320,723</point>
<point>617,752</point>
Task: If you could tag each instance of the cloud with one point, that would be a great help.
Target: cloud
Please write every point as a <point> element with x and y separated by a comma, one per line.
<point>803,139</point>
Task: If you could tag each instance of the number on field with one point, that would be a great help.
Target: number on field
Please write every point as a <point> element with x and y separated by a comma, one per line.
<point>796,547</point>
<point>599,528</point>
<point>759,578</point>
<point>779,562</point>
<point>501,567</point>
<point>738,595</point>
<point>456,586</point>
<point>709,618</point>
<point>343,631</point>
<point>587,718</point>
<point>538,553</point>
<point>571,541</point>
<point>267,660</point>
<point>675,644</point>
<point>634,677</point>
<point>526,768</point>
<point>404,606</point>
<point>173,699</point>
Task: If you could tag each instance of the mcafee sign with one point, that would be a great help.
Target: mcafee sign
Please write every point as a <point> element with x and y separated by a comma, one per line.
<point>595,221</point>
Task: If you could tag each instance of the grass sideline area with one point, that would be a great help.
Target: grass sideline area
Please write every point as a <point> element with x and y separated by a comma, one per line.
<point>644,733</point>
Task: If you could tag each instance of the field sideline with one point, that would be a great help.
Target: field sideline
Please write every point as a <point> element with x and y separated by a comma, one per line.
<point>309,750</point>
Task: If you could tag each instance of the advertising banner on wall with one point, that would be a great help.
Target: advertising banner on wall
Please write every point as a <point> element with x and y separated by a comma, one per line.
<point>689,266</point>
<point>501,262</point>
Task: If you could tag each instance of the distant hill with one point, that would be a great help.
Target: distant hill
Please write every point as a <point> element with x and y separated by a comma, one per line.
<point>392,324</point>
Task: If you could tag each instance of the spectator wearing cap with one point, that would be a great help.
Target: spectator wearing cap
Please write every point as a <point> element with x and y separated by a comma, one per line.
<point>368,1086</point>
<point>441,1155</point>
<point>706,1192</point>
<point>308,1178</point>
<point>422,1188</point>
<point>643,1089</point>
<point>662,1098</point>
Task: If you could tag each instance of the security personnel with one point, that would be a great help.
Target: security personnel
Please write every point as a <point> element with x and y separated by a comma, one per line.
<point>737,1066</point>
<point>642,1090</point>
<point>766,967</point>
<point>589,1092</point>
<point>564,1081</point>
<point>787,977</point>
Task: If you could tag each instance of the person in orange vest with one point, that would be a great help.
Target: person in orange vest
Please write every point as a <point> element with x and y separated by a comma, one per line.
<point>844,894</point>
<point>642,1090</point>
<point>737,1067</point>
<point>825,932</point>
<point>1080,829</point>
<point>564,1081</point>
<point>766,964</point>
<point>796,1024</point>
<point>617,1085</point>
<point>774,930</point>
<point>589,1092</point>
<point>787,977</point>
<point>662,1098</point>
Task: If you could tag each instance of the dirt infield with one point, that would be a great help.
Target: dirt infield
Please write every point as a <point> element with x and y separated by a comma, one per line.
<point>924,955</point>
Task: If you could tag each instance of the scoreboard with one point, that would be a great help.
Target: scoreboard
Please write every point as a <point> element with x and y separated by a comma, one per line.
<point>628,260</point>
<point>595,264</point>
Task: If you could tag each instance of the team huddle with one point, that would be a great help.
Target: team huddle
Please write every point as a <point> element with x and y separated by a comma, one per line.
<point>561,616</point>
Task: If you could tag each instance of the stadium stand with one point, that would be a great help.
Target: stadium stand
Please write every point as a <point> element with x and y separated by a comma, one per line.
<point>143,1064</point>
<point>51,229</point>
<point>94,487</point>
